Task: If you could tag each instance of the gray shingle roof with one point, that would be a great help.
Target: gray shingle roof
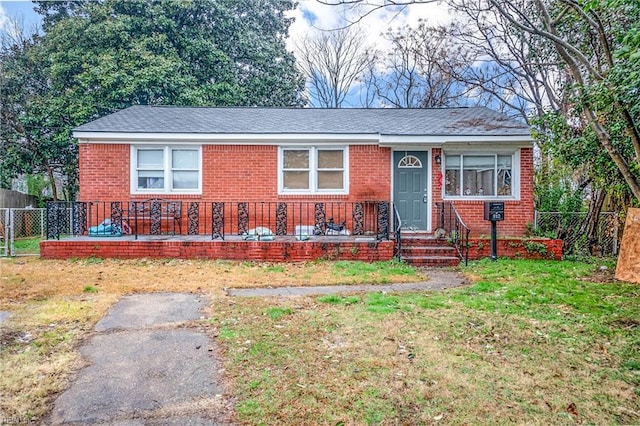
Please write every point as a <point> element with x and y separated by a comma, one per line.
<point>477,121</point>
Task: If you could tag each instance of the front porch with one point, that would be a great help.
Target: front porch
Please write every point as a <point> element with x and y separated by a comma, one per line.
<point>268,231</point>
<point>254,231</point>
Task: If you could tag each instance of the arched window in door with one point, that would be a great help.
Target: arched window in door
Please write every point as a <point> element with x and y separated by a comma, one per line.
<point>409,162</point>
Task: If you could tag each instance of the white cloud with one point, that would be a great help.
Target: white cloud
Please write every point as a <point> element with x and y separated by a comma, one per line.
<point>4,19</point>
<point>10,25</point>
<point>310,15</point>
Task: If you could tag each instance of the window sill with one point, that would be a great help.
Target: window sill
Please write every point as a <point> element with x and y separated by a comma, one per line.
<point>174,194</point>
<point>316,196</point>
<point>479,199</point>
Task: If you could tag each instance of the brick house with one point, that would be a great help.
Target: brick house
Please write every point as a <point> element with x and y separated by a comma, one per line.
<point>417,160</point>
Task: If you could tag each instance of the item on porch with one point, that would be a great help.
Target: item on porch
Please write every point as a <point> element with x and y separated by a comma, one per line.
<point>304,232</point>
<point>259,233</point>
<point>332,228</point>
<point>105,229</point>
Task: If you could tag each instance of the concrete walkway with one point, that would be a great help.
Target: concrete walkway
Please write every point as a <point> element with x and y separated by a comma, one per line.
<point>146,368</point>
<point>438,280</point>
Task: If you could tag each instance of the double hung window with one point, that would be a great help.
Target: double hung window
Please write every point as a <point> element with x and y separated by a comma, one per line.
<point>166,169</point>
<point>313,170</point>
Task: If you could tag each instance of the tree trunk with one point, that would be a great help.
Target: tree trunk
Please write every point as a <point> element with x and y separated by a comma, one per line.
<point>52,182</point>
<point>587,226</point>
<point>605,141</point>
<point>593,218</point>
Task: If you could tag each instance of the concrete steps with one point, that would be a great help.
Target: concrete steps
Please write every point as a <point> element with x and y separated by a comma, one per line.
<point>422,249</point>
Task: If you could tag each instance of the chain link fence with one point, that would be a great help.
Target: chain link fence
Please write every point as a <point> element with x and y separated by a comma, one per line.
<point>568,227</point>
<point>21,231</point>
<point>4,232</point>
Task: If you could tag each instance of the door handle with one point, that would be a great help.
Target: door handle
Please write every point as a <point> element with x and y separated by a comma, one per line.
<point>424,198</point>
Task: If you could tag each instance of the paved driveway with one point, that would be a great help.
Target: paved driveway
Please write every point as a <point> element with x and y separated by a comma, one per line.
<point>146,366</point>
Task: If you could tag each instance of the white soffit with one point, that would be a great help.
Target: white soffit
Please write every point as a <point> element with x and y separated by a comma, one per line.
<point>403,141</point>
<point>392,141</point>
<point>224,139</point>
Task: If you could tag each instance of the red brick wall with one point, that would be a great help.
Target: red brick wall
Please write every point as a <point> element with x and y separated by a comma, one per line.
<point>370,172</point>
<point>281,251</point>
<point>517,213</point>
<point>249,173</point>
<point>231,173</point>
<point>239,173</point>
<point>436,179</point>
<point>104,172</point>
<point>517,248</point>
<point>273,251</point>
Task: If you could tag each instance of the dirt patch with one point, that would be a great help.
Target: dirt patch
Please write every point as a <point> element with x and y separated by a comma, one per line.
<point>32,279</point>
<point>601,275</point>
<point>628,323</point>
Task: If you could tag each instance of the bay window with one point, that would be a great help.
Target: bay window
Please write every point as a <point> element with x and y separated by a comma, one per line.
<point>313,170</point>
<point>165,169</point>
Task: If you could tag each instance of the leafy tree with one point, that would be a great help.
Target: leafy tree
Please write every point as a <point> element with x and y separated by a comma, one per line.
<point>31,139</point>
<point>97,57</point>
<point>585,37</point>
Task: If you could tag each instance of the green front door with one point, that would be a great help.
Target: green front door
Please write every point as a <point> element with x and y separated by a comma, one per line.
<point>410,190</point>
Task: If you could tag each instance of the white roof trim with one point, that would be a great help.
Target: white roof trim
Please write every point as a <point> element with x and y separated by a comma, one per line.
<point>218,138</point>
<point>393,141</point>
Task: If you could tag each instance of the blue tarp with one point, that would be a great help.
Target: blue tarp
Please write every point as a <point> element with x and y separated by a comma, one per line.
<point>105,229</point>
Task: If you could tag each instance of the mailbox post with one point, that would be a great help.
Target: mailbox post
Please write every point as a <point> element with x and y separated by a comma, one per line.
<point>494,212</point>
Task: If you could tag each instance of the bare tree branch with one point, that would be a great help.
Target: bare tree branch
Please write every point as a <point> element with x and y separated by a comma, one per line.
<point>333,64</point>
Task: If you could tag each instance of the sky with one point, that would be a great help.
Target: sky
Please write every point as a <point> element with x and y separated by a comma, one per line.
<point>21,10</point>
<point>310,15</point>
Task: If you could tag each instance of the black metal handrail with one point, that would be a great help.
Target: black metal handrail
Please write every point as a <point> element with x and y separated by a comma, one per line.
<point>455,229</point>
<point>303,219</point>
<point>397,227</point>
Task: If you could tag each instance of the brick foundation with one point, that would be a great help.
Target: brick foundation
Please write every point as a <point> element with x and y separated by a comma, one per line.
<point>517,248</point>
<point>280,251</point>
<point>271,251</point>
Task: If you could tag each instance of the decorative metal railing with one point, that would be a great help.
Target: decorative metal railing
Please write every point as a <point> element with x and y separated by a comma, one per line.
<point>258,220</point>
<point>455,229</point>
<point>397,228</point>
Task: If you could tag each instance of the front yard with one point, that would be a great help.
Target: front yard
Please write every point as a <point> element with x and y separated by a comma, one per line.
<point>526,342</point>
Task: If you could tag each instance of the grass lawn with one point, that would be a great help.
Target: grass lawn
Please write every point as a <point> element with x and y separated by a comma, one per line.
<point>528,342</point>
<point>29,245</point>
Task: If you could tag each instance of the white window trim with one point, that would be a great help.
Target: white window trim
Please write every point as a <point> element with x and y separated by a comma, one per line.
<point>515,177</point>
<point>313,171</point>
<point>166,167</point>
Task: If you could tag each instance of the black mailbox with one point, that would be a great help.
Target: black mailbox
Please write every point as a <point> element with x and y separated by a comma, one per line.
<point>494,211</point>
